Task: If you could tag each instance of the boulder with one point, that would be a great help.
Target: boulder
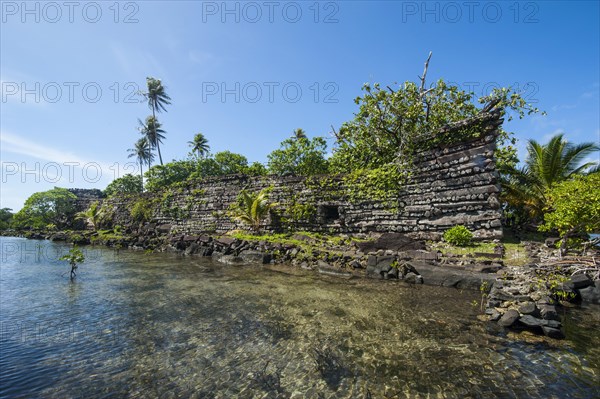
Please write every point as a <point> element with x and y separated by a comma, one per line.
<point>579,281</point>
<point>250,256</point>
<point>552,332</point>
<point>413,278</point>
<point>392,241</point>
<point>528,308</point>
<point>509,318</point>
<point>591,294</point>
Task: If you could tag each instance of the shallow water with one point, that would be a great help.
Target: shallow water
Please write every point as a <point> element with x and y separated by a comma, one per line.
<point>163,325</point>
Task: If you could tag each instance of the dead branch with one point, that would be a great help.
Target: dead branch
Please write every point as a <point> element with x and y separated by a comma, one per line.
<point>422,78</point>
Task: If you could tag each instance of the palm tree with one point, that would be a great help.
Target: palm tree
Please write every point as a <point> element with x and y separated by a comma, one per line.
<point>151,128</point>
<point>546,165</point>
<point>199,145</point>
<point>143,152</point>
<point>92,216</point>
<point>252,209</point>
<point>157,99</point>
<point>299,134</point>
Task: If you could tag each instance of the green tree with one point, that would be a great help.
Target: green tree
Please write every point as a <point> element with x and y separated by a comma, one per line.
<point>573,207</point>
<point>390,121</point>
<point>163,176</point>
<point>199,145</point>
<point>256,169</point>
<point>299,156</point>
<point>152,130</point>
<point>157,99</point>
<point>143,152</point>
<point>128,184</point>
<point>230,163</point>
<point>56,206</point>
<point>6,216</point>
<point>74,257</point>
<point>252,209</point>
<point>92,216</point>
<point>546,165</point>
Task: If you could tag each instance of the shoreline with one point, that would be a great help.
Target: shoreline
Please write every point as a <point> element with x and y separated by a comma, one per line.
<point>516,297</point>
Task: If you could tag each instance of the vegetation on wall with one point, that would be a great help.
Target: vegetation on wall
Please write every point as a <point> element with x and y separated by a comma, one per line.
<point>252,208</point>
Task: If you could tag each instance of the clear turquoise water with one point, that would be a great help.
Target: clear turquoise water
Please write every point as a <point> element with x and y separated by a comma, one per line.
<point>166,326</point>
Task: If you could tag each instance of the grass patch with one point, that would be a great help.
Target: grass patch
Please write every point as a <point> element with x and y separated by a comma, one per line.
<point>515,254</point>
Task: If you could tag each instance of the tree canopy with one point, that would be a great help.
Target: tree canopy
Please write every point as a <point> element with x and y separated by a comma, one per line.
<point>56,206</point>
<point>299,156</point>
<point>573,207</point>
<point>128,184</point>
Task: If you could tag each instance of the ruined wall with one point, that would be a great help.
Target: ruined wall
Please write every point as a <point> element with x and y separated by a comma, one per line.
<point>457,184</point>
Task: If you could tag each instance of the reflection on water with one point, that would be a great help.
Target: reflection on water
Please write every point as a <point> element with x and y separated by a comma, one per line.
<point>163,325</point>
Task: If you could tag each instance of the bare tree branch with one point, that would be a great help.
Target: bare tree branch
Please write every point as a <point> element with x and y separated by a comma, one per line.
<point>422,78</point>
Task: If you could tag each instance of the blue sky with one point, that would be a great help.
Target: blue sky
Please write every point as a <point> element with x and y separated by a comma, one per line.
<point>246,74</point>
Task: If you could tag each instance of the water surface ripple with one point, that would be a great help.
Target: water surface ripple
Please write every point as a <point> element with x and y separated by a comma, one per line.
<point>166,326</point>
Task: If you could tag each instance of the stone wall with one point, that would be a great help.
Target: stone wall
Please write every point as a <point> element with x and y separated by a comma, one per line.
<point>457,184</point>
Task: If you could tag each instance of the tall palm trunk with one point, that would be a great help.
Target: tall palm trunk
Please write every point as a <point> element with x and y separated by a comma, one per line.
<point>157,143</point>
<point>142,174</point>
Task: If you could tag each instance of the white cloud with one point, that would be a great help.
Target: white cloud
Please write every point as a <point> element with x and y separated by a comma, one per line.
<point>137,63</point>
<point>18,145</point>
<point>200,57</point>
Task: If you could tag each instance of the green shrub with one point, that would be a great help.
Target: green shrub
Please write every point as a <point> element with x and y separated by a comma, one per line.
<point>141,211</point>
<point>459,236</point>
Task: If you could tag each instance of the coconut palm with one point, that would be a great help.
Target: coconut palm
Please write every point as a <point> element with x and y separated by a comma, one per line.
<point>157,99</point>
<point>199,145</point>
<point>299,134</point>
<point>143,152</point>
<point>546,165</point>
<point>151,128</point>
<point>252,209</point>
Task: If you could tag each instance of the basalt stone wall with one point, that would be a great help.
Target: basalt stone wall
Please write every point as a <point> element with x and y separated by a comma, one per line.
<point>457,184</point>
<point>85,197</point>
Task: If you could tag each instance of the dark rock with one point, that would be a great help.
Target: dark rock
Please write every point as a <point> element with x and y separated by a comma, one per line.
<point>192,249</point>
<point>393,241</point>
<point>372,260</point>
<point>509,318</point>
<point>493,268</point>
<point>393,273</point>
<point>493,303</point>
<point>225,241</point>
<point>495,315</point>
<point>250,256</point>
<point>164,228</point>
<point>591,294</point>
<point>528,308</point>
<point>413,278</point>
<point>204,239</point>
<point>531,322</point>
<point>548,312</point>
<point>579,281</point>
<point>385,262</point>
<point>58,237</point>
<point>552,332</point>
<point>419,255</point>
<point>355,264</point>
